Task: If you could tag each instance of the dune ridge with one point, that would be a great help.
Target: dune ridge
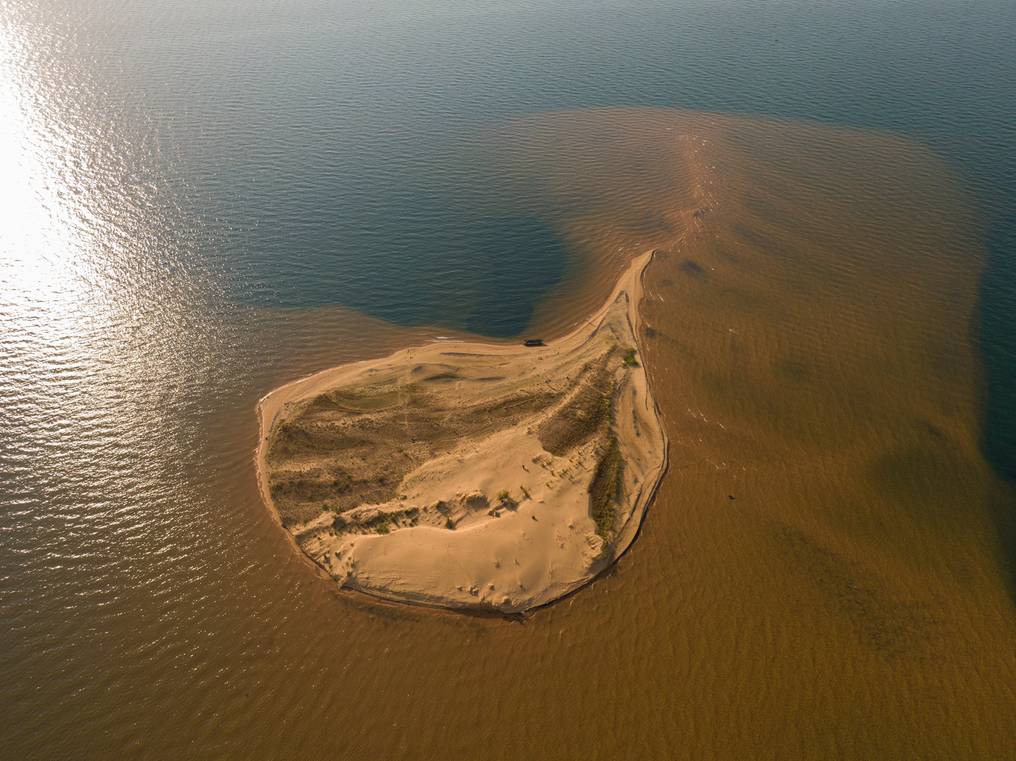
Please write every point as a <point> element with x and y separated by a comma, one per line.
<point>471,475</point>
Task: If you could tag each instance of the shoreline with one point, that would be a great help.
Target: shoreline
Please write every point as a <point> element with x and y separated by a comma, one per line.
<point>273,406</point>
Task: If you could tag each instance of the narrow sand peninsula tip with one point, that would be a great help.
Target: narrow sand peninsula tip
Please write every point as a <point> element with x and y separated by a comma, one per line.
<point>470,475</point>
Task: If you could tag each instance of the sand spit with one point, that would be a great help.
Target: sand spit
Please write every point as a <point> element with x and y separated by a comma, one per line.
<point>471,475</point>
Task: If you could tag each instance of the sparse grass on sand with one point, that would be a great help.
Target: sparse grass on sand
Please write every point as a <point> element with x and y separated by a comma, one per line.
<point>605,490</point>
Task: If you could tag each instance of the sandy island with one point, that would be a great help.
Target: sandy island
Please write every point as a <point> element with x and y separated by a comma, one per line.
<point>471,475</point>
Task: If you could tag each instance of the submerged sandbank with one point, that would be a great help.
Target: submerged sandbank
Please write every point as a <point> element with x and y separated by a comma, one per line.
<point>471,475</point>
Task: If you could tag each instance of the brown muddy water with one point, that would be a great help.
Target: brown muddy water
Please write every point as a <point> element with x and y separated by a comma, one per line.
<point>821,575</point>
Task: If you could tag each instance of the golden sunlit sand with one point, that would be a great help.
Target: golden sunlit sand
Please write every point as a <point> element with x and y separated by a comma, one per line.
<point>471,475</point>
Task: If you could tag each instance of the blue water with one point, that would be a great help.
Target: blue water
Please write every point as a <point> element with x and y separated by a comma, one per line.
<point>319,133</point>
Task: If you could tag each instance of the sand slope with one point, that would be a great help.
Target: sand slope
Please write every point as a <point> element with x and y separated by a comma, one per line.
<point>471,475</point>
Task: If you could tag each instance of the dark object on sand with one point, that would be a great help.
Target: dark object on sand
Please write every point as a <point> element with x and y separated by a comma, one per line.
<point>533,342</point>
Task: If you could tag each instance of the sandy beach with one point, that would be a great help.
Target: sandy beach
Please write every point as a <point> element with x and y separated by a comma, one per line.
<point>471,475</point>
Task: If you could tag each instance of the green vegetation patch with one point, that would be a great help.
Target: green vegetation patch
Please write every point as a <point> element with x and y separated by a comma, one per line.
<point>605,490</point>
<point>582,415</point>
<point>331,487</point>
<point>353,446</point>
<point>294,439</point>
<point>384,522</point>
<point>358,400</point>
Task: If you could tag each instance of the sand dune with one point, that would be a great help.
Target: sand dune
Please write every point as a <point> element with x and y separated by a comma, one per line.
<point>471,475</point>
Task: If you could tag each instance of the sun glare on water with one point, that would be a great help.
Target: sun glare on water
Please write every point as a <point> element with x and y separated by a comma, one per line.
<point>45,261</point>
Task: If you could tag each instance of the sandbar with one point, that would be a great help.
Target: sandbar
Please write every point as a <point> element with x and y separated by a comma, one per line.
<point>470,475</point>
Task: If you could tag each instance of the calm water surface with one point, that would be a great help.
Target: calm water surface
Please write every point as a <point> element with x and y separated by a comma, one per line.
<point>200,200</point>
